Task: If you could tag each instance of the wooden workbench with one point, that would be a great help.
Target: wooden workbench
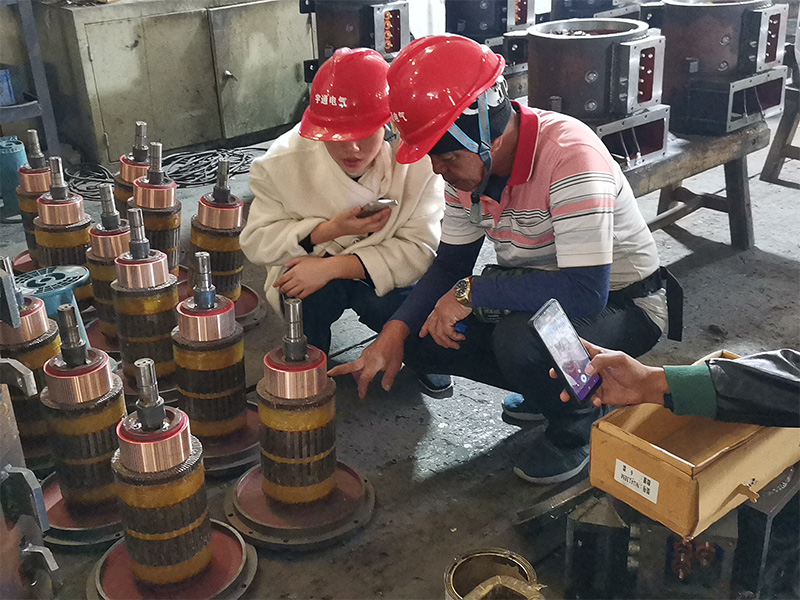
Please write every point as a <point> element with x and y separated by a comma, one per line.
<point>692,155</point>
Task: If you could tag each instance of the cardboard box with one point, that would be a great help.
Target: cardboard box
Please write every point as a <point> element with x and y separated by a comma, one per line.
<point>686,472</point>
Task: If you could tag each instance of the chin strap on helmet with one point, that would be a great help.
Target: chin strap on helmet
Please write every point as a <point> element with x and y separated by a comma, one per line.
<point>482,149</point>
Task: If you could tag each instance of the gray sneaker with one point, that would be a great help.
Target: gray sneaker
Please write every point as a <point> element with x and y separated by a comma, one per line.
<point>545,463</point>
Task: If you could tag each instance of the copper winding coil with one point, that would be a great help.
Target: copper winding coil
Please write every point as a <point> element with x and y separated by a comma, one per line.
<point>146,195</point>
<point>130,170</point>
<point>110,244</point>
<point>295,380</point>
<point>151,452</point>
<point>34,181</point>
<point>200,325</point>
<point>140,274</point>
<point>77,385</point>
<point>61,212</point>
<point>219,216</point>
<point>34,324</point>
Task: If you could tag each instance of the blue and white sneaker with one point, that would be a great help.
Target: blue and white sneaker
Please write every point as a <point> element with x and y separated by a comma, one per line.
<point>545,463</point>
<point>435,385</point>
<point>516,408</point>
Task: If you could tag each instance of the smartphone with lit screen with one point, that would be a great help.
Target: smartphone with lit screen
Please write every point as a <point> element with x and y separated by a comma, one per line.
<point>376,206</point>
<point>558,335</point>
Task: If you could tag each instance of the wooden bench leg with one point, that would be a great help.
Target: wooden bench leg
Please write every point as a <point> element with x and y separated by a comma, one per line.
<point>784,133</point>
<point>666,197</point>
<point>737,192</point>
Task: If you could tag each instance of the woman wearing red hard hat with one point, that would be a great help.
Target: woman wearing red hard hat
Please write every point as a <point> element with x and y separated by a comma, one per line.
<point>312,222</point>
<point>564,224</point>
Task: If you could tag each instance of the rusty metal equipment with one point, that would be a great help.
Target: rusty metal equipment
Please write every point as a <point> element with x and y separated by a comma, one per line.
<point>171,547</point>
<point>468,573</point>
<point>487,19</point>
<point>668,566</point>
<point>83,403</point>
<point>29,568</point>
<point>132,166</point>
<point>208,346</point>
<point>34,180</point>
<point>62,227</point>
<point>767,565</point>
<point>723,67</point>
<point>300,497</point>
<point>608,73</point>
<point>382,26</point>
<point>28,336</point>
<point>145,296</point>
<point>216,229</point>
<point>109,240</point>
<point>155,195</point>
<point>597,551</point>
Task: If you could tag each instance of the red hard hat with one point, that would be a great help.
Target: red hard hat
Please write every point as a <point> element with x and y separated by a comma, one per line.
<point>349,97</point>
<point>431,82</point>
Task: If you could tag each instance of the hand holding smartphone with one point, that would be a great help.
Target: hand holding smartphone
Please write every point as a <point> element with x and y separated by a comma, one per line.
<point>569,355</point>
<point>376,206</point>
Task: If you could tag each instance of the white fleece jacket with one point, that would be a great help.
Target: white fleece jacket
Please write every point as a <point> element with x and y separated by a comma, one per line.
<point>297,186</point>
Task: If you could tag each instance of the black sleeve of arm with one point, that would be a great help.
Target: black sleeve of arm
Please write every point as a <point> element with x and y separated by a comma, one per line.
<point>307,245</point>
<point>762,389</point>
<point>452,262</point>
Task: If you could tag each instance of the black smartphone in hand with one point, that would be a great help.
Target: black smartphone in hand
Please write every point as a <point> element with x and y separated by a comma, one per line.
<point>558,335</point>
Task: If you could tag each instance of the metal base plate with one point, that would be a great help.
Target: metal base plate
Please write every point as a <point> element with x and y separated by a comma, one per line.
<point>227,577</point>
<point>94,529</point>
<point>101,342</point>
<point>237,452</point>
<point>270,524</point>
<point>25,263</point>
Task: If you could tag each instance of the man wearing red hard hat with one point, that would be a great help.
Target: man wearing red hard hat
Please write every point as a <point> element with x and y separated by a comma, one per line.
<point>307,223</point>
<point>564,224</point>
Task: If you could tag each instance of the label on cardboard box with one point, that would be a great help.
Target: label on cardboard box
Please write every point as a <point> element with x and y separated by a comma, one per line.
<point>637,481</point>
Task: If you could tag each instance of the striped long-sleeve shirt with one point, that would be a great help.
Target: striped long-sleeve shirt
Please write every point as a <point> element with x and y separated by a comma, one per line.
<point>566,206</point>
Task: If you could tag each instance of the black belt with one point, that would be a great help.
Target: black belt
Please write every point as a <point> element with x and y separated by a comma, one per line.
<point>661,278</point>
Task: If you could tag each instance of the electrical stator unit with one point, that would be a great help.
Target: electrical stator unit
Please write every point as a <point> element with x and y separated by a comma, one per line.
<point>110,239</point>
<point>724,63</point>
<point>300,497</point>
<point>62,227</point>
<point>34,180</point>
<point>145,296</point>
<point>29,336</point>
<point>383,27</point>
<point>155,195</point>
<point>608,73</point>
<point>132,166</point>
<point>216,229</point>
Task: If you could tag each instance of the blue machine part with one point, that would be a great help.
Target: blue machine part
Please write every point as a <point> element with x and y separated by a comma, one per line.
<point>55,285</point>
<point>12,157</point>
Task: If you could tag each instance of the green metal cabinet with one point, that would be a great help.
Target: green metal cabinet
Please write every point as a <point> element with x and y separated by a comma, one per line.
<point>196,71</point>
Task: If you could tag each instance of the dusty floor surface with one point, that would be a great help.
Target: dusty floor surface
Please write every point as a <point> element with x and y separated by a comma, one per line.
<point>442,467</point>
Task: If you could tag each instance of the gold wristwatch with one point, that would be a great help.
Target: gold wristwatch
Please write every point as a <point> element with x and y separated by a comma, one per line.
<point>463,292</point>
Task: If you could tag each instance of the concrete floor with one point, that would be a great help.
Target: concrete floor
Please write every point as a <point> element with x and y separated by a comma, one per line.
<point>442,467</point>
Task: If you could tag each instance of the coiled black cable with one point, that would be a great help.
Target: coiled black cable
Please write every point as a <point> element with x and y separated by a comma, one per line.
<point>187,169</point>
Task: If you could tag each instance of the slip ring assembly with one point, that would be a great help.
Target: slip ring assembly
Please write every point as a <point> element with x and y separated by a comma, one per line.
<point>145,296</point>
<point>300,497</point>
<point>171,546</point>
<point>34,180</point>
<point>62,227</point>
<point>208,346</point>
<point>33,342</point>
<point>83,403</point>
<point>110,239</point>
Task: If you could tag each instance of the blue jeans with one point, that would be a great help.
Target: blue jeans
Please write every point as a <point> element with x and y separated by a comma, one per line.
<point>322,308</point>
<point>509,355</point>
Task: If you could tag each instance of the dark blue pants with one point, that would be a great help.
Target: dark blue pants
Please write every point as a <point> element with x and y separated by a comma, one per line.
<point>322,308</point>
<point>509,355</point>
